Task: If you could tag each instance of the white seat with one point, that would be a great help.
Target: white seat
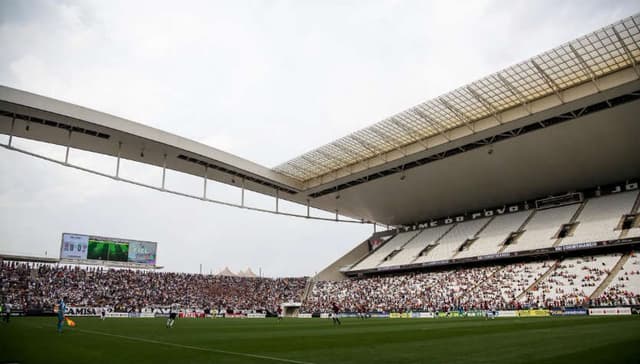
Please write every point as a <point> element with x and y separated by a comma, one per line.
<point>381,252</point>
<point>600,217</point>
<point>540,230</point>
<point>491,238</point>
<point>449,244</point>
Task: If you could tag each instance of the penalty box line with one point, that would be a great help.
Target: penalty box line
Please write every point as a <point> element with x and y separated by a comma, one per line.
<point>150,341</point>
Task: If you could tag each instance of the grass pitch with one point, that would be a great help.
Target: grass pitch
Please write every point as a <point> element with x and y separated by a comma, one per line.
<point>457,340</point>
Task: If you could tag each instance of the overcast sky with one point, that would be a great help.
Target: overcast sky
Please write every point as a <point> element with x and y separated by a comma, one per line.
<point>265,80</point>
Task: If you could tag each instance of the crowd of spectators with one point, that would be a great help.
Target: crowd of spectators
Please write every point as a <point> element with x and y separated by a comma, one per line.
<point>463,288</point>
<point>40,286</point>
<point>511,286</point>
<point>493,287</point>
<point>624,289</point>
<point>571,283</point>
<point>617,295</point>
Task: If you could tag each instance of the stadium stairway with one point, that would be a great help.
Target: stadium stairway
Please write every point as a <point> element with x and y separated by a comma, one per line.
<point>636,205</point>
<point>435,243</point>
<point>375,257</point>
<point>537,282</point>
<point>520,229</point>
<point>395,251</point>
<point>471,290</point>
<point>311,282</point>
<point>475,236</point>
<point>574,218</point>
<point>634,210</point>
<point>612,274</point>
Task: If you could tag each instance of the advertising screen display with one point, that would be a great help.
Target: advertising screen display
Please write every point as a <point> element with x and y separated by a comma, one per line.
<point>142,252</point>
<point>101,249</point>
<point>74,246</point>
<point>95,248</point>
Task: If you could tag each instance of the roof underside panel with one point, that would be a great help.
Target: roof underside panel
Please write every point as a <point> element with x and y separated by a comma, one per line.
<point>585,59</point>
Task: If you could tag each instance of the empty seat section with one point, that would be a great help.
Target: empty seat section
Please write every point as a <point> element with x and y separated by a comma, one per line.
<point>379,254</point>
<point>541,229</point>
<point>415,246</point>
<point>449,244</point>
<point>491,238</point>
<point>633,232</point>
<point>600,217</point>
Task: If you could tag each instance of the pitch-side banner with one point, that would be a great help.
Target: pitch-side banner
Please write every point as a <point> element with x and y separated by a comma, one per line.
<point>533,313</point>
<point>610,311</point>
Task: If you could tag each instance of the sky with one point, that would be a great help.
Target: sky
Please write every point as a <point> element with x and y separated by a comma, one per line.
<point>265,80</point>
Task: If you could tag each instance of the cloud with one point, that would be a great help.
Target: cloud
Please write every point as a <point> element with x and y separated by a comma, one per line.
<point>263,80</point>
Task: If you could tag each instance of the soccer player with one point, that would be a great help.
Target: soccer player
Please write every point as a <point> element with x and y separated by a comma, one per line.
<point>61,308</point>
<point>361,310</point>
<point>279,313</point>
<point>7,312</point>
<point>336,311</point>
<point>172,317</point>
<point>103,314</point>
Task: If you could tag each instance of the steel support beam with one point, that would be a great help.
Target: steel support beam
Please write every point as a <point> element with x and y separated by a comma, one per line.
<point>411,131</point>
<point>550,82</point>
<point>395,144</point>
<point>13,124</point>
<point>300,168</point>
<point>431,122</point>
<point>368,146</point>
<point>242,193</point>
<point>204,182</point>
<point>118,160</point>
<point>459,114</point>
<point>627,52</point>
<point>346,150</point>
<point>476,95</point>
<point>315,163</point>
<point>514,91</point>
<point>164,170</point>
<point>585,67</point>
<point>66,154</point>
<point>330,157</point>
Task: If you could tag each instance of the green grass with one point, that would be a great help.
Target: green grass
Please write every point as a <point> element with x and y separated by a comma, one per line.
<point>464,340</point>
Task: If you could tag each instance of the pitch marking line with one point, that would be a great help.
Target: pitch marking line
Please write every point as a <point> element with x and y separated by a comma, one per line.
<point>150,341</point>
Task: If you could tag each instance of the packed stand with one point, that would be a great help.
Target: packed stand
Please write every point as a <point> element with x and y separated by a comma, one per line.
<point>433,291</point>
<point>39,286</point>
<point>514,286</point>
<point>501,290</point>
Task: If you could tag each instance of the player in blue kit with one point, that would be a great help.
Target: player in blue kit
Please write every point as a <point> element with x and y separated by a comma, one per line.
<point>61,308</point>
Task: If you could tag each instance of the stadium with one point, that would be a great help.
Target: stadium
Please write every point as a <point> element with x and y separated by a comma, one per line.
<point>505,218</point>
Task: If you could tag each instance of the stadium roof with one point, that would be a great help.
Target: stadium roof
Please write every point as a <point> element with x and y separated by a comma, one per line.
<point>585,59</point>
<point>543,117</point>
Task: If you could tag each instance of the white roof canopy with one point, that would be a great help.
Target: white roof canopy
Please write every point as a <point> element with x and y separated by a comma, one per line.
<point>585,59</point>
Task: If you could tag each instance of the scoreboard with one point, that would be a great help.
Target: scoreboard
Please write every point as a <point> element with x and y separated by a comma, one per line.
<point>92,249</point>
